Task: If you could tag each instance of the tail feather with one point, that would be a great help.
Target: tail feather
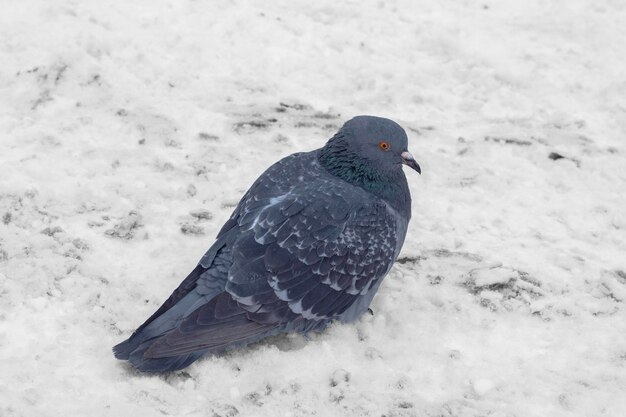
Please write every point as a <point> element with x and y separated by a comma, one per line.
<point>157,327</point>
<point>197,290</point>
<point>160,365</point>
<point>123,350</point>
<point>217,326</point>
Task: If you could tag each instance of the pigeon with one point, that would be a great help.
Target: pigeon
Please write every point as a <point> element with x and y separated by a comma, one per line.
<point>309,243</point>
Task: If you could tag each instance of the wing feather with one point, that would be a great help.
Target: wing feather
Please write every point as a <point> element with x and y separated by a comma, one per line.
<point>325,246</point>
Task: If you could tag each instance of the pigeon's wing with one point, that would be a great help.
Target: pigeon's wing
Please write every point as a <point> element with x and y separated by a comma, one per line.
<point>312,253</point>
<point>209,277</point>
<point>301,259</point>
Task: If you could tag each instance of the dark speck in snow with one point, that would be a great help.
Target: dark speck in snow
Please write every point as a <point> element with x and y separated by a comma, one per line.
<point>207,136</point>
<point>191,229</point>
<point>508,141</point>
<point>201,214</point>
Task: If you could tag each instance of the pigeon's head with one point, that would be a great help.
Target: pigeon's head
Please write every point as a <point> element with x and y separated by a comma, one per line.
<point>368,144</point>
<point>380,141</point>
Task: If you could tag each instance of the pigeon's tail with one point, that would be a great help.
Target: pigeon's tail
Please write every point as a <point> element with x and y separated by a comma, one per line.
<point>161,365</point>
<point>182,302</point>
<point>157,328</point>
<point>134,348</point>
<point>213,328</point>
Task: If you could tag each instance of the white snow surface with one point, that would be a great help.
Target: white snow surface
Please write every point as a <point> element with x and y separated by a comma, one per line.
<point>129,131</point>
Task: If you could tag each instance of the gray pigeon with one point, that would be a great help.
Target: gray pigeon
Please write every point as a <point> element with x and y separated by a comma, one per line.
<point>309,243</point>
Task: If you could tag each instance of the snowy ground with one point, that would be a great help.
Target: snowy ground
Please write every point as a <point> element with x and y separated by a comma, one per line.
<point>129,130</point>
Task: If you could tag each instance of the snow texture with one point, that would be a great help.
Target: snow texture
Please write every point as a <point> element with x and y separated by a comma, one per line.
<point>129,131</point>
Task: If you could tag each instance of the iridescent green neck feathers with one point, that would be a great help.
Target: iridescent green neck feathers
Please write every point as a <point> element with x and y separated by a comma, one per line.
<point>340,160</point>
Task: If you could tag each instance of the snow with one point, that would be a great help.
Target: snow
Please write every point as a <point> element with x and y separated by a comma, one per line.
<point>129,130</point>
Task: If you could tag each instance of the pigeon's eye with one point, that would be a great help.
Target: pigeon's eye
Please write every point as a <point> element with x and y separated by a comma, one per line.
<point>384,145</point>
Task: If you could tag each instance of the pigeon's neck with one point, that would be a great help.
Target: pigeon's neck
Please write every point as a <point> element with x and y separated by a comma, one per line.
<point>392,187</point>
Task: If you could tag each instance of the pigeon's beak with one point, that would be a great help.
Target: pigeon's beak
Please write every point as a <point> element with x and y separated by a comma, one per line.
<point>407,159</point>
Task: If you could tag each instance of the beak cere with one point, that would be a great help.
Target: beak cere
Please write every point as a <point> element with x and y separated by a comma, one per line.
<point>407,159</point>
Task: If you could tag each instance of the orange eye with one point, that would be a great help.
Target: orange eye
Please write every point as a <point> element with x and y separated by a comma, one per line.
<point>384,146</point>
